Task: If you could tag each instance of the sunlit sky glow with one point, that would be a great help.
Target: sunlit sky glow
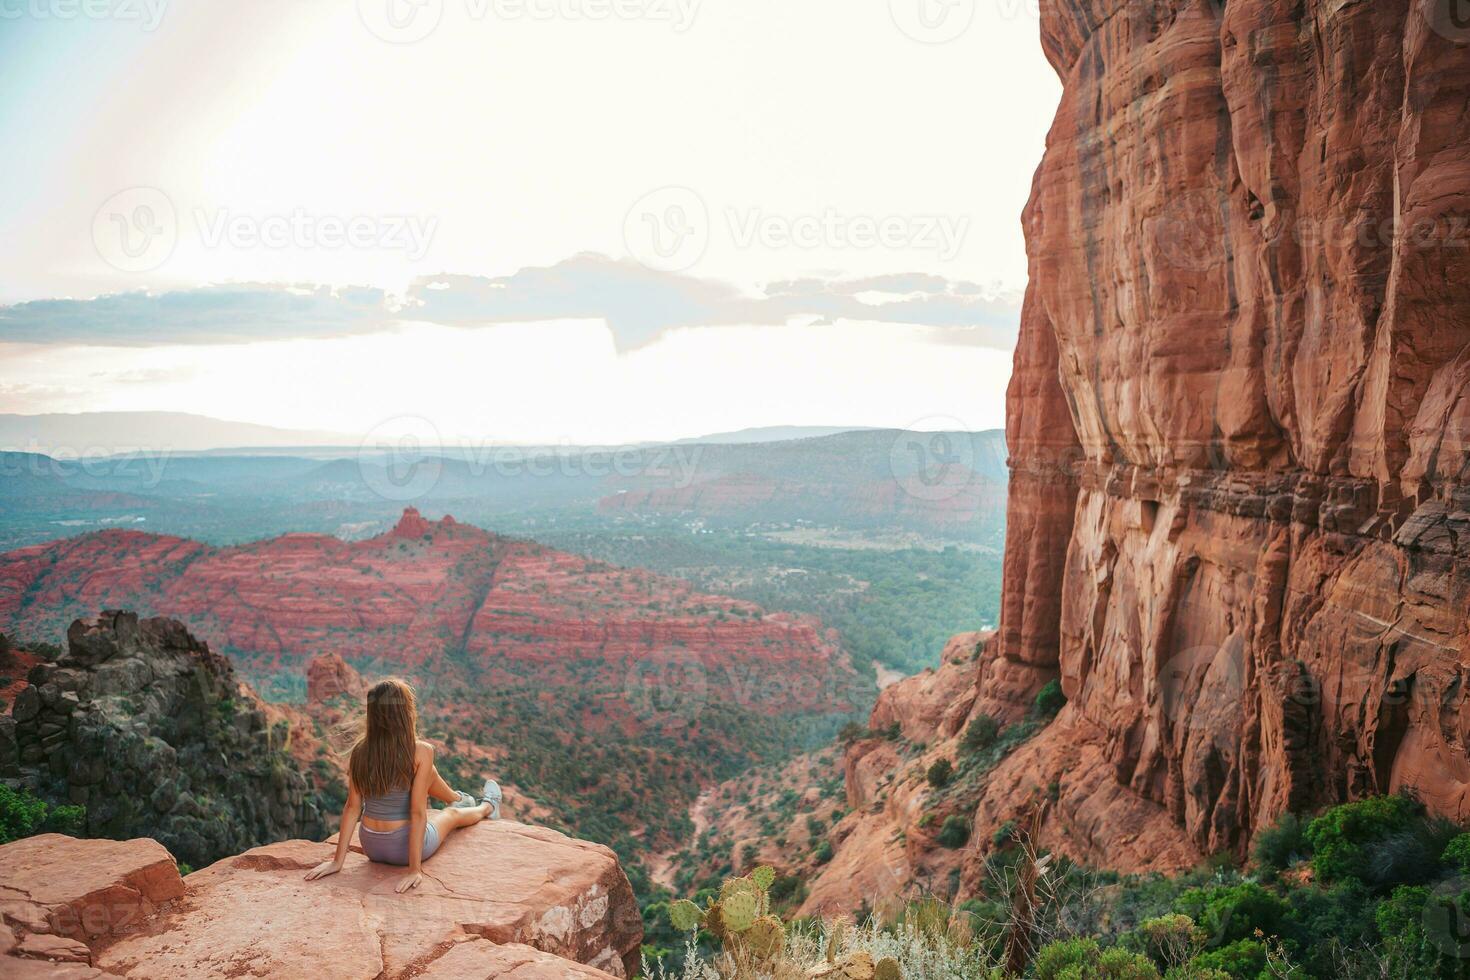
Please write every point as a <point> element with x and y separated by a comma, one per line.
<point>463,227</point>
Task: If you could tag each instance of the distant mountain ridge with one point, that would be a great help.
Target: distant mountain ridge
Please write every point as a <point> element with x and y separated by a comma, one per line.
<point>950,484</point>
<point>94,433</point>
<point>72,434</point>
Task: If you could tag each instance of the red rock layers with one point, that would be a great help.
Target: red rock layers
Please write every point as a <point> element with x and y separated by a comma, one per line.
<point>426,599</point>
<point>1238,423</point>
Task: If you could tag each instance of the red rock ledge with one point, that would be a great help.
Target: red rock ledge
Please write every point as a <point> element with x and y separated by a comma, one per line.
<point>499,900</point>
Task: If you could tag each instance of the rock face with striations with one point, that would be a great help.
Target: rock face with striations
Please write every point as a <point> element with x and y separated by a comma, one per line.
<point>498,900</point>
<point>1240,423</point>
<point>145,727</point>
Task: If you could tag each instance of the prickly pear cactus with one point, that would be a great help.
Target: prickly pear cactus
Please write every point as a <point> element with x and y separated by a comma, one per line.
<point>735,886</point>
<point>740,910</point>
<point>763,877</point>
<point>766,938</point>
<point>685,915</point>
<point>857,966</point>
<point>834,941</point>
<point>887,969</point>
<point>714,921</point>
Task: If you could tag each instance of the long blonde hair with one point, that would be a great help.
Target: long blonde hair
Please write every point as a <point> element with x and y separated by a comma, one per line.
<point>382,757</point>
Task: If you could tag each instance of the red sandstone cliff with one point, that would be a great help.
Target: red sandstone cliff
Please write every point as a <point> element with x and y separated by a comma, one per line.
<point>1238,423</point>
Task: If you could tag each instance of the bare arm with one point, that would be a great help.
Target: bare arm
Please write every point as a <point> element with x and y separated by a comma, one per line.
<point>418,815</point>
<point>351,813</point>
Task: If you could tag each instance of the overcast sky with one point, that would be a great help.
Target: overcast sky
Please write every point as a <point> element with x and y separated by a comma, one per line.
<point>540,220</point>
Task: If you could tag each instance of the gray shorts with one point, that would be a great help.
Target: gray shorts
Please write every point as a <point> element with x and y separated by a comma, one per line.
<point>391,847</point>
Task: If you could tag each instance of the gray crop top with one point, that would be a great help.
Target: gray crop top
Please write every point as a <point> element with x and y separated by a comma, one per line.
<point>389,806</point>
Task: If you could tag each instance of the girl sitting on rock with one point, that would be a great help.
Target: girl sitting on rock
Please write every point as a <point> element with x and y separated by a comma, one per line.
<point>390,777</point>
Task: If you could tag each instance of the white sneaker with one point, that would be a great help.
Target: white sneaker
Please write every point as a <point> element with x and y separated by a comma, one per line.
<point>465,802</point>
<point>492,795</point>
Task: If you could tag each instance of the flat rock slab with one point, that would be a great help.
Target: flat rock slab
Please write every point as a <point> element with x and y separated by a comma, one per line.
<point>87,890</point>
<point>480,960</point>
<point>256,915</point>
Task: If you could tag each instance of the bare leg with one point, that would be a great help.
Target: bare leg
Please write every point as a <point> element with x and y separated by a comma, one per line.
<point>439,789</point>
<point>448,821</point>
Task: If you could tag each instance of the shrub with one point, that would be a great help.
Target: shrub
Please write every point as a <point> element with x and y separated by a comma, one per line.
<point>1172,939</point>
<point>1411,856</point>
<point>1050,699</point>
<point>1341,837</point>
<point>1003,833</point>
<point>1084,959</point>
<point>1280,845</point>
<point>939,773</point>
<point>1054,959</point>
<point>823,852</point>
<point>23,815</point>
<point>1421,930</point>
<point>981,733</point>
<point>1231,912</point>
<point>1457,854</point>
<point>955,832</point>
<point>1244,959</point>
<point>1342,912</point>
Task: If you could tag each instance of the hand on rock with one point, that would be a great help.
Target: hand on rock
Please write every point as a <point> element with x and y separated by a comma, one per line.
<point>410,880</point>
<point>323,869</point>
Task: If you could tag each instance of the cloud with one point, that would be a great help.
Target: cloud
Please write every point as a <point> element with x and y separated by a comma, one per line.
<point>637,304</point>
<point>207,315</point>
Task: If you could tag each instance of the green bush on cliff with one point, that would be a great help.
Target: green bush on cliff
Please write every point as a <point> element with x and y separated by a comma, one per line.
<point>1232,912</point>
<point>981,733</point>
<point>1050,699</point>
<point>1457,853</point>
<point>1342,836</point>
<point>1280,845</point>
<point>1244,959</point>
<point>24,815</point>
<point>954,832</point>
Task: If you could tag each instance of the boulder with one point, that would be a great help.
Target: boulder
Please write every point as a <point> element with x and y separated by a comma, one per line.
<point>88,890</point>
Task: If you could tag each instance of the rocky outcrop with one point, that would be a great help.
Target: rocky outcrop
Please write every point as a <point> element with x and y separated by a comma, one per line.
<point>1239,499</point>
<point>329,677</point>
<point>498,899</point>
<point>150,732</point>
